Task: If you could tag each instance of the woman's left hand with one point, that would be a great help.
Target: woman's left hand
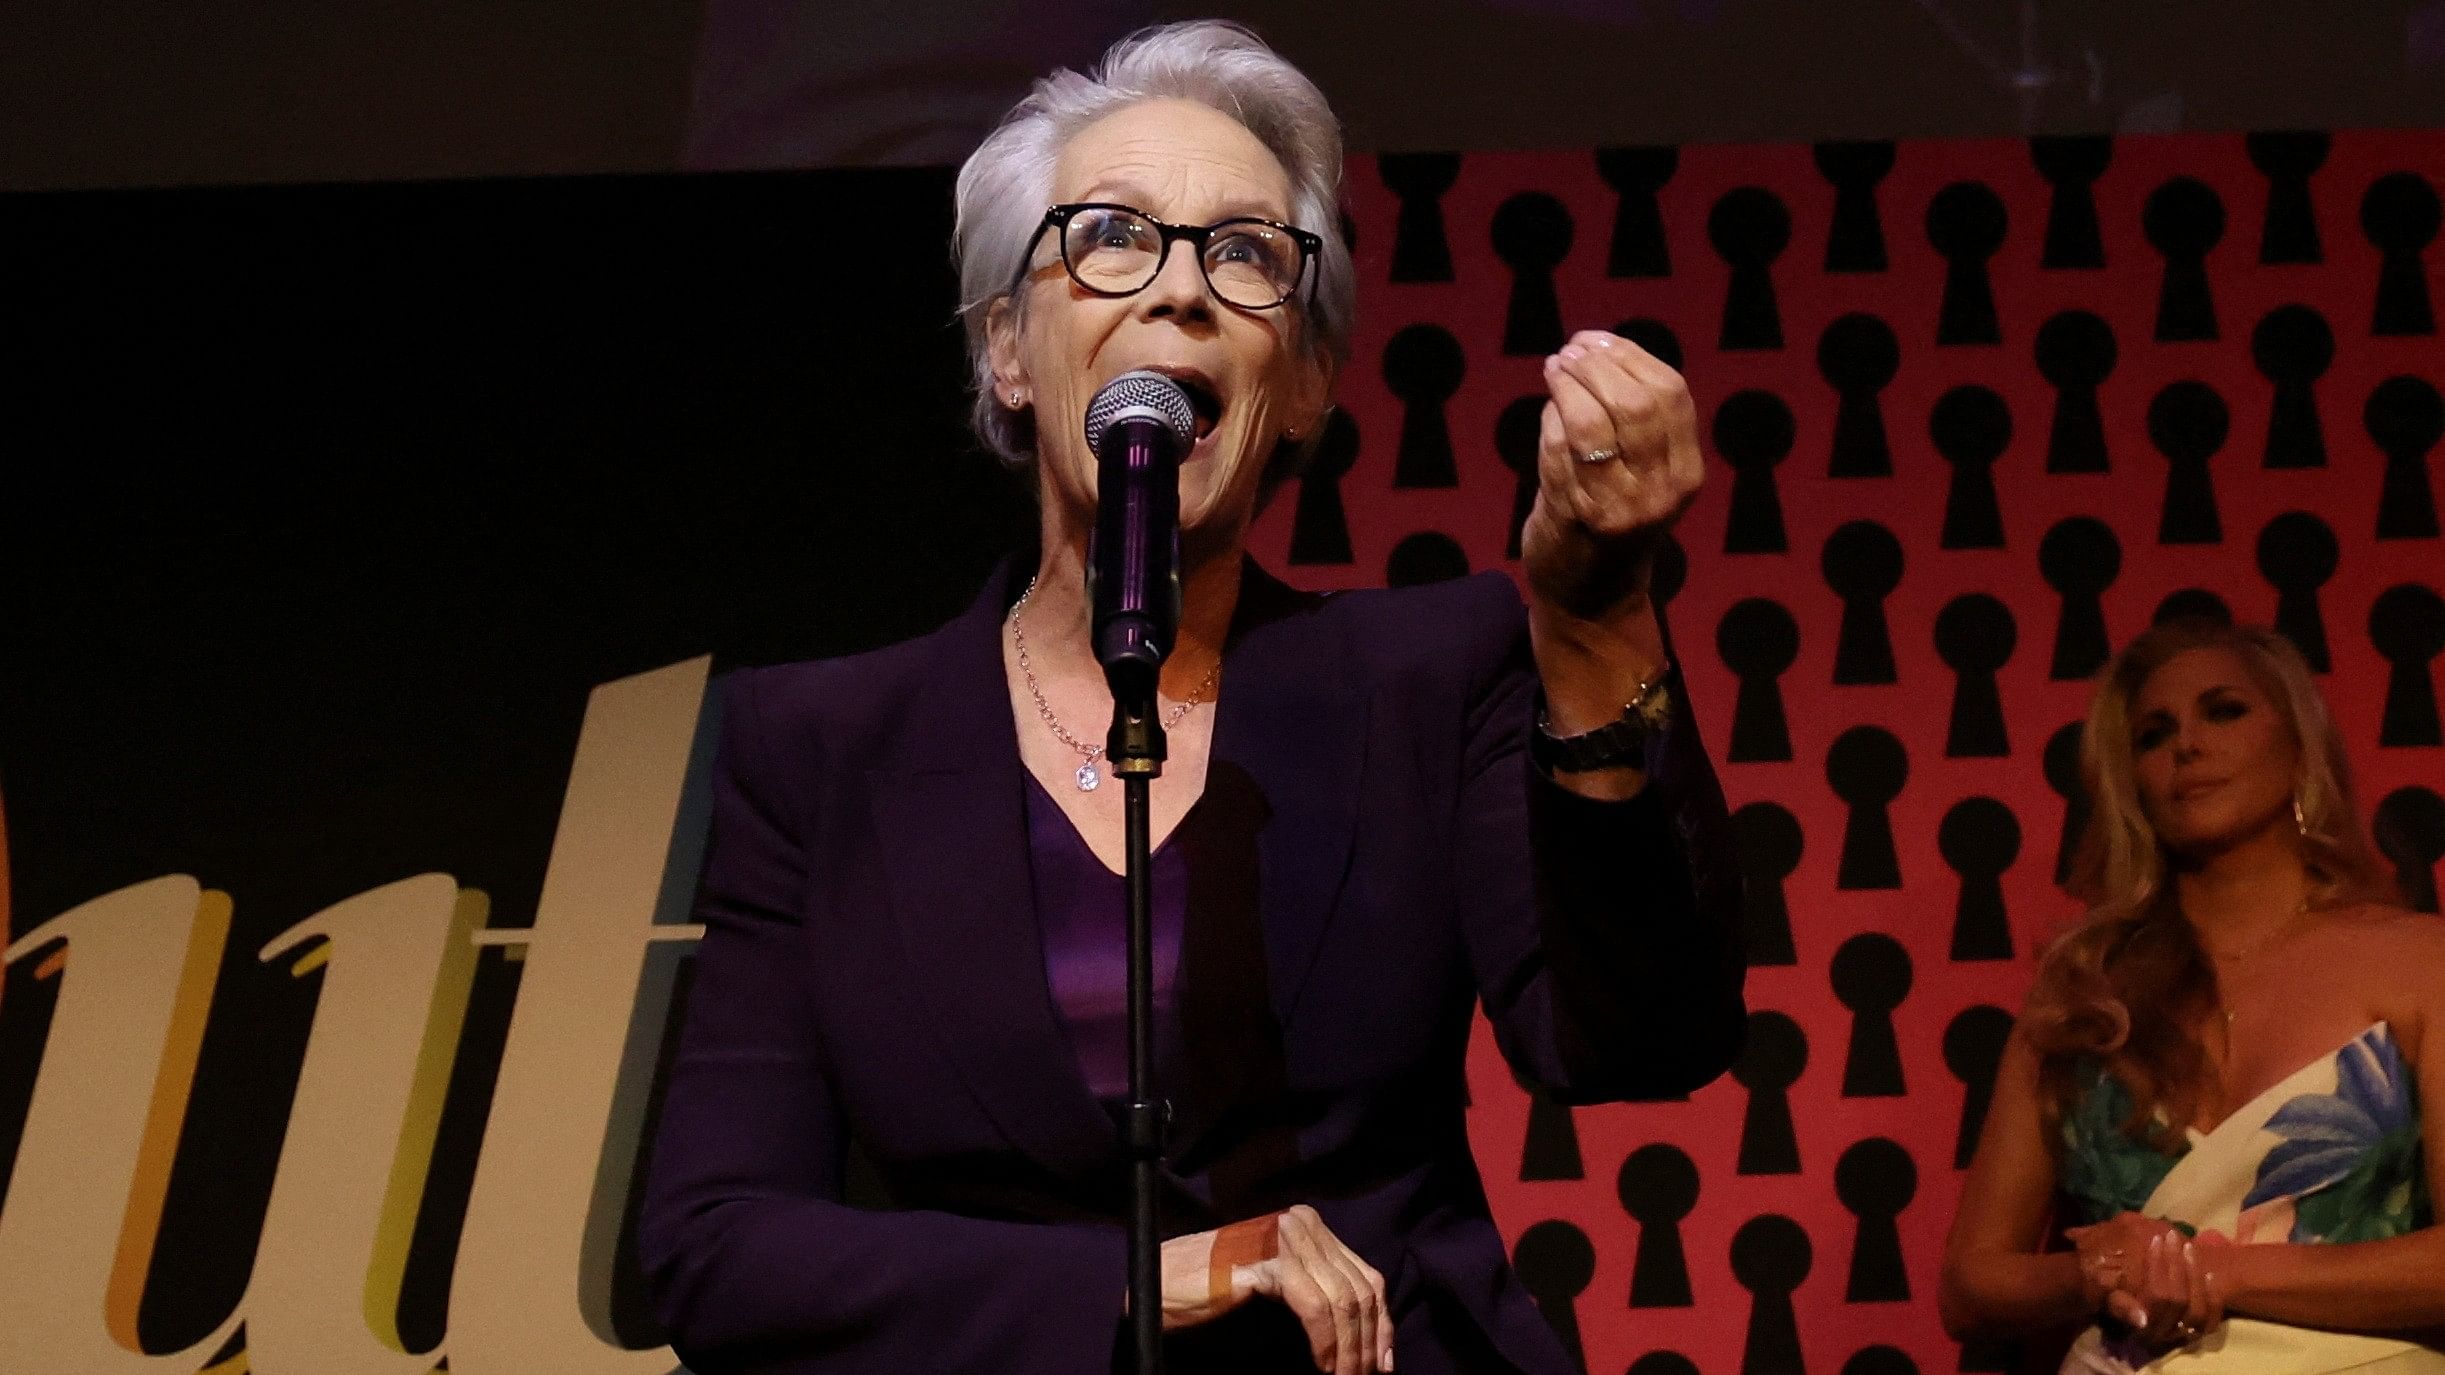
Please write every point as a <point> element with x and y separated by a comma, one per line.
<point>2176,1297</point>
<point>2112,1252</point>
<point>1617,462</point>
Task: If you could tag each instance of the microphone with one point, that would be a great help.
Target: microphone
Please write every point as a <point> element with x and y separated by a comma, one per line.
<point>1138,426</point>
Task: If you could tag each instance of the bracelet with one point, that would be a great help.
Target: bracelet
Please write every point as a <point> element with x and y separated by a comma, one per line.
<point>1619,743</point>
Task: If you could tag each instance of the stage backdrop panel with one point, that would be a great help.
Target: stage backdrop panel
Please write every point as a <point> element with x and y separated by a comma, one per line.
<point>378,545</point>
<point>1979,413</point>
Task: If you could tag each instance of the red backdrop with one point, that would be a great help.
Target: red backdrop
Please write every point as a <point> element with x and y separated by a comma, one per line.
<point>1845,1208</point>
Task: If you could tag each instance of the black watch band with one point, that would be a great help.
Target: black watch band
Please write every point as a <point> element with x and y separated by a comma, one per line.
<point>1619,743</point>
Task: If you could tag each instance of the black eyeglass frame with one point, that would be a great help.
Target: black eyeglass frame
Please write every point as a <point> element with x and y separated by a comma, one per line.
<point>1057,218</point>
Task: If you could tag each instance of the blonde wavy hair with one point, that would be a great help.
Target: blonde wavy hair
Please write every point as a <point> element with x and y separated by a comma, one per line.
<point>2124,986</point>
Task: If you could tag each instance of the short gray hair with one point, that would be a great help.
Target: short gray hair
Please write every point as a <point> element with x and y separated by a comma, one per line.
<point>1007,182</point>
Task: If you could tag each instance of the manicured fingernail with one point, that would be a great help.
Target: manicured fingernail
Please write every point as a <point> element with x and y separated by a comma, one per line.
<point>1573,352</point>
<point>1604,341</point>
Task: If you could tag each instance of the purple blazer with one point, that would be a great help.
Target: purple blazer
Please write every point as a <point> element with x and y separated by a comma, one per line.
<point>871,969</point>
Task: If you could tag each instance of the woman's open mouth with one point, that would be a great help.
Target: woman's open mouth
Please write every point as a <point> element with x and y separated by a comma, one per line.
<point>1208,407</point>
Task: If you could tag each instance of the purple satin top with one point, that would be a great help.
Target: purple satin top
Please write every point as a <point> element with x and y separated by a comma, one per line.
<point>1082,911</point>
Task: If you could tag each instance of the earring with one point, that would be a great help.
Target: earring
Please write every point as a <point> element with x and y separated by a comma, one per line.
<point>2300,819</point>
<point>1017,398</point>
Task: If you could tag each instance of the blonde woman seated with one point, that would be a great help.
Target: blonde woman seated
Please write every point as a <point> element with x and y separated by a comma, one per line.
<point>2226,1070</point>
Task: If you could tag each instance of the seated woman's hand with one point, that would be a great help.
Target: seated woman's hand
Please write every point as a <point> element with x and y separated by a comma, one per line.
<point>2173,1297</point>
<point>2112,1256</point>
<point>1294,1258</point>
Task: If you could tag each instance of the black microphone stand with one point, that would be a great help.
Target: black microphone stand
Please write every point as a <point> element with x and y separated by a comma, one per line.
<point>1136,748</point>
<point>1137,426</point>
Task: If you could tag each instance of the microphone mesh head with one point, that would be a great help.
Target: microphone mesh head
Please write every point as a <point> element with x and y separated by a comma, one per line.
<point>1141,395</point>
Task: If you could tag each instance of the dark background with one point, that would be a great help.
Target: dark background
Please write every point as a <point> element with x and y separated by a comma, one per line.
<point>153,92</point>
<point>328,507</point>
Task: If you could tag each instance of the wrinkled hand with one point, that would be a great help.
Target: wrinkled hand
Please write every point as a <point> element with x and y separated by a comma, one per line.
<point>1294,1258</point>
<point>1590,541</point>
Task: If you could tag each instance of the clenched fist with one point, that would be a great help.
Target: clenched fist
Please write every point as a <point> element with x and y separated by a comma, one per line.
<point>1618,461</point>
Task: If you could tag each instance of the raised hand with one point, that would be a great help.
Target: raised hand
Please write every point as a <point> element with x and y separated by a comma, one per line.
<point>1618,460</point>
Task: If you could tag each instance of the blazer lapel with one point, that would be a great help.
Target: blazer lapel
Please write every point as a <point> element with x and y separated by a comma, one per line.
<point>1294,718</point>
<point>1281,800</point>
<point>951,823</point>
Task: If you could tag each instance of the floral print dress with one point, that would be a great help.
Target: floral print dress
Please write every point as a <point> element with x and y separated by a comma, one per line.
<point>2331,1153</point>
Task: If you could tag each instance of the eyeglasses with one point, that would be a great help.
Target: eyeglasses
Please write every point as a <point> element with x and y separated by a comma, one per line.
<point>1114,250</point>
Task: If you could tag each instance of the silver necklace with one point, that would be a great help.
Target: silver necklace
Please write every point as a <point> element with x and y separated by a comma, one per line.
<point>1089,776</point>
<point>2252,949</point>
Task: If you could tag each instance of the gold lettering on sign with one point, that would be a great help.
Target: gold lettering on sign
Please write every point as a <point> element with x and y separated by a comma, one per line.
<point>84,1203</point>
<point>526,1298</point>
<point>530,1287</point>
<point>325,1292</point>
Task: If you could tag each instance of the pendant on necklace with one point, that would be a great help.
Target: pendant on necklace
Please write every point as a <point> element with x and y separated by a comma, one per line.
<point>1088,777</point>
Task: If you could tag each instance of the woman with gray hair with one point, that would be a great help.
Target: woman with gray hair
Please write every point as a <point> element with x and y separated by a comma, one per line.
<point>1380,810</point>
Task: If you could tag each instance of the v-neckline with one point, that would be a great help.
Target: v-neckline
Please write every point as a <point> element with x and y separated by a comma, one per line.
<point>1078,838</point>
<point>2197,1138</point>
